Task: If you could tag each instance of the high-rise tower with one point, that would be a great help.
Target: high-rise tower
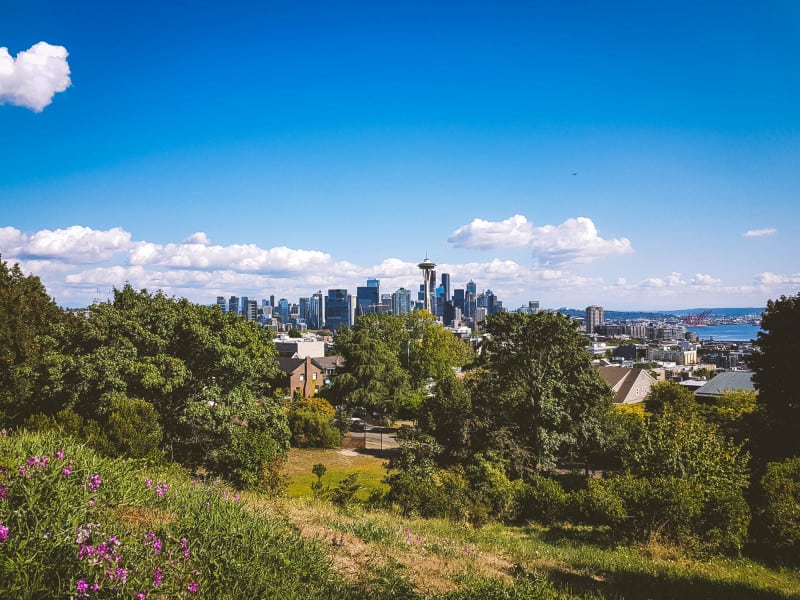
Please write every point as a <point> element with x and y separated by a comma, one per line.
<point>594,317</point>
<point>427,268</point>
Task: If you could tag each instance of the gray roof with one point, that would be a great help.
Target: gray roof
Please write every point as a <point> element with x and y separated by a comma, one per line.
<point>727,380</point>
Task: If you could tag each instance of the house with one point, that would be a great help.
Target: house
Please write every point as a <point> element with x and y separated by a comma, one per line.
<point>305,376</point>
<point>727,380</point>
<point>628,384</point>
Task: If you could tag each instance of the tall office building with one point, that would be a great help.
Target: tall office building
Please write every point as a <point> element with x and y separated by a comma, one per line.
<point>458,299</point>
<point>446,286</point>
<point>316,311</point>
<point>401,301</point>
<point>250,310</point>
<point>470,299</point>
<point>594,317</point>
<point>367,299</point>
<point>243,304</point>
<point>283,310</point>
<point>233,305</point>
<point>337,309</point>
<point>221,303</point>
<point>304,309</point>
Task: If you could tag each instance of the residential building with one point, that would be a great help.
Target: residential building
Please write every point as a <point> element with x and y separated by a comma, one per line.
<point>629,385</point>
<point>594,317</point>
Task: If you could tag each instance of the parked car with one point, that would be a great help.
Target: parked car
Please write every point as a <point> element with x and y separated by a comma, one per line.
<point>357,424</point>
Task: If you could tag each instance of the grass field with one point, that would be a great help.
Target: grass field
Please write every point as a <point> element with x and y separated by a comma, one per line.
<point>339,464</point>
<point>439,558</point>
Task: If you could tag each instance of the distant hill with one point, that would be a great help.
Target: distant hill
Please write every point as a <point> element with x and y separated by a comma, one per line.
<point>662,314</point>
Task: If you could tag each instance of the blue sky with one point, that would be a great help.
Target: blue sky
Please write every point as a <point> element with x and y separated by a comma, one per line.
<point>633,155</point>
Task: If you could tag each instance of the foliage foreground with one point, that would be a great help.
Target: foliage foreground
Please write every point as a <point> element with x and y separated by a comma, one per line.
<point>76,525</point>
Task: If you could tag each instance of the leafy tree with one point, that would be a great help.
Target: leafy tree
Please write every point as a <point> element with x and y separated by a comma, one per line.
<point>445,415</point>
<point>392,362</point>
<point>27,315</point>
<point>780,514</point>
<point>669,393</point>
<point>201,370</point>
<point>537,384</point>
<point>774,363</point>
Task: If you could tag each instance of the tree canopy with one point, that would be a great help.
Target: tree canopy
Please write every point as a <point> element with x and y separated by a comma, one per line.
<point>392,362</point>
<point>774,362</point>
<point>26,316</point>
<point>537,388</point>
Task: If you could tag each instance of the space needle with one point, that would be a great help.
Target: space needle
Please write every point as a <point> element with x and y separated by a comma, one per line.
<point>427,267</point>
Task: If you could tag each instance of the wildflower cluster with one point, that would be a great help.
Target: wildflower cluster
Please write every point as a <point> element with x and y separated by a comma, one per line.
<point>40,496</point>
<point>443,547</point>
<point>160,487</point>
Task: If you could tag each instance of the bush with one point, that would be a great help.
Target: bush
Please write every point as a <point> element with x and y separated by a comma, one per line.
<point>492,488</point>
<point>543,500</point>
<point>312,423</point>
<point>779,517</point>
<point>133,428</point>
<point>597,504</point>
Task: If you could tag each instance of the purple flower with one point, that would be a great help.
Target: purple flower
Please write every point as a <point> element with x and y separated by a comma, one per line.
<point>82,587</point>
<point>93,482</point>
<point>158,575</point>
<point>3,492</point>
<point>148,482</point>
<point>193,587</point>
<point>59,455</point>
<point>66,471</point>
<point>140,596</point>
<point>157,545</point>
<point>3,533</point>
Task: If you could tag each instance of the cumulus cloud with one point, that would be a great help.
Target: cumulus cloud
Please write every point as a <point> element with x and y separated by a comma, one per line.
<point>776,279</point>
<point>197,253</point>
<point>752,233</point>
<point>74,244</point>
<point>574,240</point>
<point>34,76</point>
<point>77,244</point>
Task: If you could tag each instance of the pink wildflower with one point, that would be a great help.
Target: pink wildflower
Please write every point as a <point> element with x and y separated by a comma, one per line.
<point>193,587</point>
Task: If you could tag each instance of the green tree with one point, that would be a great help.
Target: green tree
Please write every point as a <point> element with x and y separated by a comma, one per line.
<point>201,370</point>
<point>392,362</point>
<point>537,384</point>
<point>27,315</point>
<point>774,362</point>
<point>669,393</point>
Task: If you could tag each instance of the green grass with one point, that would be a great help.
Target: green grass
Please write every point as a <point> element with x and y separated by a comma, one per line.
<point>339,464</point>
<point>300,547</point>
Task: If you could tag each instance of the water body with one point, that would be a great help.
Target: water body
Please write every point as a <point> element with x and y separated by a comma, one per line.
<point>727,333</point>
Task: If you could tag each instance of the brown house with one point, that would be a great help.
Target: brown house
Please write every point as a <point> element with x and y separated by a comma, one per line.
<point>305,376</point>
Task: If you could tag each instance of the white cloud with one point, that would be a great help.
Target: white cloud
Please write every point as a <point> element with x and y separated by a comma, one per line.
<point>775,279</point>
<point>34,77</point>
<point>514,232</point>
<point>198,254</point>
<point>575,240</point>
<point>752,233</point>
<point>197,238</point>
<point>77,244</point>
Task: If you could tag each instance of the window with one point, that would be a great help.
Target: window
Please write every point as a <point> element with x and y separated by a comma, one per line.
<point>302,377</point>
<point>314,376</point>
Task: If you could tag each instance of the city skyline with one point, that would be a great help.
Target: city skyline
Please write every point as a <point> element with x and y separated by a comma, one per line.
<point>626,156</point>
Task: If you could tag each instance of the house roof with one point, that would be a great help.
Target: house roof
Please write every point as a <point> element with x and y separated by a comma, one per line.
<point>622,379</point>
<point>727,380</point>
<point>328,362</point>
<point>289,365</point>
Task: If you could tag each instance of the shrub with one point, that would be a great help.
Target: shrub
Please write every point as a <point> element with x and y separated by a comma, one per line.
<point>779,516</point>
<point>133,428</point>
<point>543,500</point>
<point>597,504</point>
<point>312,423</point>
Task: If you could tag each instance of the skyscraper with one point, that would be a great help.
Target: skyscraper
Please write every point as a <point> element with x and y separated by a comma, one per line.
<point>401,301</point>
<point>316,316</point>
<point>221,303</point>
<point>594,317</point>
<point>337,309</point>
<point>233,305</point>
<point>367,299</point>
